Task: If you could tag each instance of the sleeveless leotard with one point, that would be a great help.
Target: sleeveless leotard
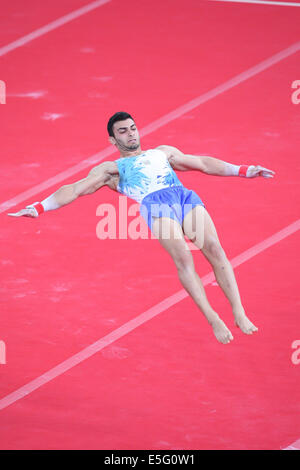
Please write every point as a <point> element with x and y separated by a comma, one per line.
<point>145,173</point>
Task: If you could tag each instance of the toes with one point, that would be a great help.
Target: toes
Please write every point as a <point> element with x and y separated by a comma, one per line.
<point>226,339</point>
<point>252,329</point>
<point>248,329</point>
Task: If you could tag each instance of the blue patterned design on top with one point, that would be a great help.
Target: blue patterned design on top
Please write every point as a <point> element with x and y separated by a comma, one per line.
<point>145,173</point>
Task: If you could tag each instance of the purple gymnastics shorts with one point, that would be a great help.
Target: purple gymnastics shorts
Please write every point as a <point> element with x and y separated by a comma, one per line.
<point>174,202</point>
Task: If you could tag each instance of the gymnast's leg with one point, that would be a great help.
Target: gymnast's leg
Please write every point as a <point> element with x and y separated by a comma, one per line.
<point>170,235</point>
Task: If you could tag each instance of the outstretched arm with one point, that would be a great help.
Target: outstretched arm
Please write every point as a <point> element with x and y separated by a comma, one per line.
<point>97,177</point>
<point>211,165</point>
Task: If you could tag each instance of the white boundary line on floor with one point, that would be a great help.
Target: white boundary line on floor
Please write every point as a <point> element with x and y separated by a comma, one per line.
<point>162,306</point>
<point>261,2</point>
<point>294,446</point>
<point>167,118</point>
<point>138,321</point>
<point>51,26</point>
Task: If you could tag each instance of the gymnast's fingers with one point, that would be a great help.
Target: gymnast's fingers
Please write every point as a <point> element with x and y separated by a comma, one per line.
<point>28,212</point>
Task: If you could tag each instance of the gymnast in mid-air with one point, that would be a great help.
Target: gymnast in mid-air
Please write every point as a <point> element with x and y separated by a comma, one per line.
<point>170,210</point>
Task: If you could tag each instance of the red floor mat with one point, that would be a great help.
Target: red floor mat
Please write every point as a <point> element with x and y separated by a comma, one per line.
<point>168,384</point>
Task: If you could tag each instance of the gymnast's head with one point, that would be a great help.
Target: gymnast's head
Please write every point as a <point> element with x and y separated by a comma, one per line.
<point>123,132</point>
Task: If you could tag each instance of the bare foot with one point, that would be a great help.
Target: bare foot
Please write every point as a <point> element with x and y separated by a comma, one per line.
<point>222,333</point>
<point>244,323</point>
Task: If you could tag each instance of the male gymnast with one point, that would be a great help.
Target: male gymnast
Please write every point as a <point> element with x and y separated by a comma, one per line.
<point>170,210</point>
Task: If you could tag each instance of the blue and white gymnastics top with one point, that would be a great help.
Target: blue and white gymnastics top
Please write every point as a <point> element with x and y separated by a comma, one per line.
<point>145,173</point>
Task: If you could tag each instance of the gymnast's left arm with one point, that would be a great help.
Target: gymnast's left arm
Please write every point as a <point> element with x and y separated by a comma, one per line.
<point>212,166</point>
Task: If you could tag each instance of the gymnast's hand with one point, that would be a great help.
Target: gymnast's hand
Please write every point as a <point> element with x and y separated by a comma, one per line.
<point>29,211</point>
<point>256,170</point>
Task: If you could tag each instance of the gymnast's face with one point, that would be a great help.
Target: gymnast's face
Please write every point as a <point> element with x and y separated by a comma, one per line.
<point>126,136</point>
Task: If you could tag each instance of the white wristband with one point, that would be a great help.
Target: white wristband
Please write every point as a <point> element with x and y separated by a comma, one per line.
<point>232,170</point>
<point>38,208</point>
<point>47,204</point>
<point>50,203</point>
<point>238,170</point>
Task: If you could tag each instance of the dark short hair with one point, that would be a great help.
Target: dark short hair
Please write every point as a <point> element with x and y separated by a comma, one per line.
<point>119,116</point>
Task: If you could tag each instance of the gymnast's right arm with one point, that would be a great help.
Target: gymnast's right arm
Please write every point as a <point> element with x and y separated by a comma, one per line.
<point>97,177</point>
